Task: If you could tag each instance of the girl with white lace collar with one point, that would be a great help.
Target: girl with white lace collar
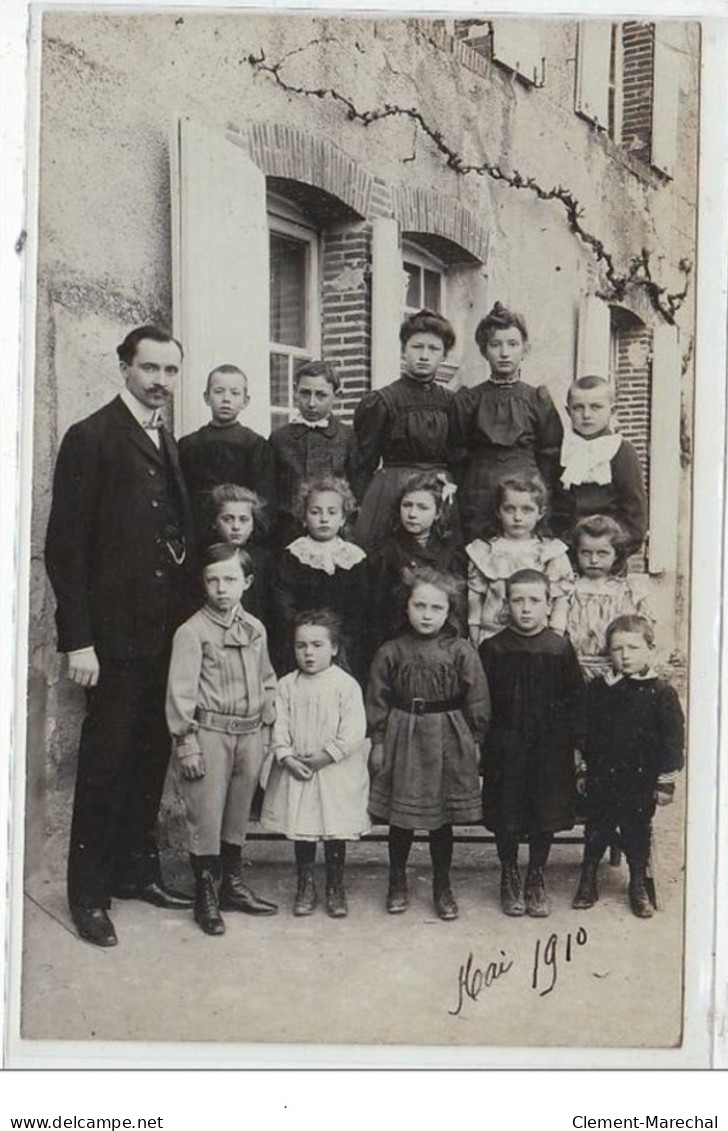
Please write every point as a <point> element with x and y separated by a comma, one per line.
<point>322,570</point>
<point>517,541</point>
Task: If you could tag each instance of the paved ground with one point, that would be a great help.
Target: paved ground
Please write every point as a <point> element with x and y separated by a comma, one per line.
<point>604,979</point>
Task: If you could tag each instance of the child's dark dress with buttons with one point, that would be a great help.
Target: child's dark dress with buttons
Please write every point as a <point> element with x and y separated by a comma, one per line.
<point>537,694</point>
<point>428,704</point>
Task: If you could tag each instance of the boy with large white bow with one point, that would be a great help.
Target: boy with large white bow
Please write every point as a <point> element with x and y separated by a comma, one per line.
<point>600,470</point>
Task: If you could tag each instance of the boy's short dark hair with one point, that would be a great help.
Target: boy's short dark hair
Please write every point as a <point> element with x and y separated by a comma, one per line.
<point>592,381</point>
<point>227,369</point>
<point>126,350</point>
<point>427,322</point>
<point>527,577</point>
<point>323,618</point>
<point>499,318</point>
<point>631,622</point>
<point>225,552</point>
<point>318,369</point>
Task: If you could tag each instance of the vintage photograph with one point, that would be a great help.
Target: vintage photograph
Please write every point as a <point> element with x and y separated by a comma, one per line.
<point>363,444</point>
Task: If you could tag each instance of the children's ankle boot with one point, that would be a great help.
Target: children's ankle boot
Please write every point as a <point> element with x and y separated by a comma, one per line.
<point>443,898</point>
<point>398,895</point>
<point>511,891</point>
<point>537,901</point>
<point>587,892</point>
<point>334,853</point>
<point>206,870</point>
<point>306,894</point>
<point>639,900</point>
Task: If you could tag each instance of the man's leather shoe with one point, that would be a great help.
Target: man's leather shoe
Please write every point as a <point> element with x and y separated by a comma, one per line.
<point>155,893</point>
<point>242,898</point>
<point>94,925</point>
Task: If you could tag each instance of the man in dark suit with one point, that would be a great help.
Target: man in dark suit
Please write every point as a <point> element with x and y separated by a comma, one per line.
<point>118,553</point>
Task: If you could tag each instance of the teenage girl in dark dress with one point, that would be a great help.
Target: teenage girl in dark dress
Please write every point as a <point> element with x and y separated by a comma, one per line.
<point>506,426</point>
<point>406,426</point>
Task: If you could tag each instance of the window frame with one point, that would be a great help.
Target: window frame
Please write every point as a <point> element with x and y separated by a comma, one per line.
<point>426,261</point>
<point>285,219</point>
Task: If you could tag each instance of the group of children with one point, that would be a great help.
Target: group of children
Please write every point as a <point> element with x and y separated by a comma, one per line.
<point>388,618</point>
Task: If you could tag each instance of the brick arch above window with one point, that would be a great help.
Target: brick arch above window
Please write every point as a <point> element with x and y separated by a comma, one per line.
<point>297,156</point>
<point>451,230</point>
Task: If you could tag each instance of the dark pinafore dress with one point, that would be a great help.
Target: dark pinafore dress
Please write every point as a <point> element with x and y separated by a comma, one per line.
<point>506,429</point>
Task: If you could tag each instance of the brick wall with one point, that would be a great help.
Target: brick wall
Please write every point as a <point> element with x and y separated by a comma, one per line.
<point>633,379</point>
<point>638,62</point>
<point>346,310</point>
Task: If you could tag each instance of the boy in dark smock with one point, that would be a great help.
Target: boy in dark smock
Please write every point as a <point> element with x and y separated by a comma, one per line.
<point>224,451</point>
<point>537,691</point>
<point>312,445</point>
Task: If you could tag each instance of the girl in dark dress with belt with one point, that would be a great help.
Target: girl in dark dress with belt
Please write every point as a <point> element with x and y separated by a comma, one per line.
<point>505,425</point>
<point>406,426</point>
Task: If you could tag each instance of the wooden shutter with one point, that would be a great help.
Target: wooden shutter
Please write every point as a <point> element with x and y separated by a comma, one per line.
<point>517,44</point>
<point>387,289</point>
<point>664,450</point>
<point>593,351</point>
<point>592,71</point>
<point>665,92</point>
<point>220,269</point>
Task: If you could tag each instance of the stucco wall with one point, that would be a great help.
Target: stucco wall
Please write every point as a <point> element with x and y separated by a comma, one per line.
<point>113,87</point>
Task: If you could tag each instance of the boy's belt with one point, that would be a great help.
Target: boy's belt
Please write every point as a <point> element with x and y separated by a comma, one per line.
<point>228,724</point>
<point>417,706</point>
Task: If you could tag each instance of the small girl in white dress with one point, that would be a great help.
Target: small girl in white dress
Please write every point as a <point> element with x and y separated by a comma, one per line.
<point>602,591</point>
<point>520,512</point>
<point>318,787</point>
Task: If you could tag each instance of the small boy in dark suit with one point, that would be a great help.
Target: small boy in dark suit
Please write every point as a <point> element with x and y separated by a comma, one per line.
<point>313,445</point>
<point>224,451</point>
<point>634,747</point>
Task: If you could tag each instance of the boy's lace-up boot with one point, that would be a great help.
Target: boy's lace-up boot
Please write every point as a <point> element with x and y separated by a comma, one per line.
<point>587,892</point>
<point>235,895</point>
<point>206,871</point>
<point>511,890</point>
<point>537,901</point>
<point>639,900</point>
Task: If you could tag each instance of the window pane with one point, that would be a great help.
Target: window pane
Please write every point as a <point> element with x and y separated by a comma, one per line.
<point>432,290</point>
<point>288,290</point>
<point>413,297</point>
<point>279,395</point>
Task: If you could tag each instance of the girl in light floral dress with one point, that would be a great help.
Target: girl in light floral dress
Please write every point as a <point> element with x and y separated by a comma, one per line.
<point>520,511</point>
<point>602,591</point>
